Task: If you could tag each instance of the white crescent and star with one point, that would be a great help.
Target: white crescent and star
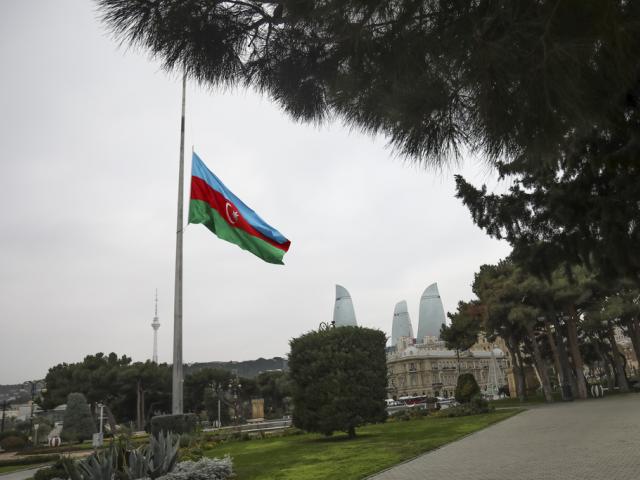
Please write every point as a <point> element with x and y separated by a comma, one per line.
<point>232,213</point>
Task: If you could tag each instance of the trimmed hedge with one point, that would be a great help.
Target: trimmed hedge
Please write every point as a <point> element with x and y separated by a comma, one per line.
<point>10,462</point>
<point>13,443</point>
<point>185,423</point>
<point>10,433</point>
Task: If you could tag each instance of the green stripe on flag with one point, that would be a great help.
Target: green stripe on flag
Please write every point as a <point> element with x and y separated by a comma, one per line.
<point>201,212</point>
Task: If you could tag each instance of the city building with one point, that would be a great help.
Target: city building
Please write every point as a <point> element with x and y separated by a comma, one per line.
<point>431,316</point>
<point>343,313</point>
<point>432,370</point>
<point>401,326</point>
<point>424,366</point>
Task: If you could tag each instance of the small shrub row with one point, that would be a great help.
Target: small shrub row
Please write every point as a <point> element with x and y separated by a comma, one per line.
<point>29,461</point>
<point>178,424</point>
<point>61,449</point>
<point>10,433</point>
<point>409,414</point>
<point>476,406</point>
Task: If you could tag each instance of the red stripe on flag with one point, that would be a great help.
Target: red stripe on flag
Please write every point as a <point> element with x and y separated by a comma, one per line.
<point>201,190</point>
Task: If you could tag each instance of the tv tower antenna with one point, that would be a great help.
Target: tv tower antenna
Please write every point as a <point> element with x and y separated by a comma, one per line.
<point>155,325</point>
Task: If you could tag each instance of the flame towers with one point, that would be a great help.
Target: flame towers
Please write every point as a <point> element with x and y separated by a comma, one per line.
<point>401,326</point>
<point>431,314</point>
<point>343,313</point>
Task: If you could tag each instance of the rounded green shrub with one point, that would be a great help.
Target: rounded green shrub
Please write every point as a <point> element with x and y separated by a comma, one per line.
<point>466,388</point>
<point>13,442</point>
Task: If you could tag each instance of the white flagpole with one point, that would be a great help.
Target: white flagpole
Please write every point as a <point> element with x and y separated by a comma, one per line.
<point>177,404</point>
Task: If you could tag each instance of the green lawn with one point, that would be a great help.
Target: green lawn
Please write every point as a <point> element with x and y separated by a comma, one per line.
<point>376,447</point>
<point>515,402</point>
<point>15,468</point>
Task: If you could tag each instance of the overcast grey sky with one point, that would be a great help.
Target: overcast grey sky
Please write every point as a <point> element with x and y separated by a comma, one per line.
<point>89,137</point>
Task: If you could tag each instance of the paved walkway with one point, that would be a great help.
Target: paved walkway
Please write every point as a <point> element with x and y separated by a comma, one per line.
<point>20,474</point>
<point>588,440</point>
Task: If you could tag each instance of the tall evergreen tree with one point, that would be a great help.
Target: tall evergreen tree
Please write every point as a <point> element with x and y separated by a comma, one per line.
<point>463,331</point>
<point>78,423</point>
<point>507,77</point>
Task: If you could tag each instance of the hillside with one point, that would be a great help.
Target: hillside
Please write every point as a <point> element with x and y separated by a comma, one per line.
<point>246,368</point>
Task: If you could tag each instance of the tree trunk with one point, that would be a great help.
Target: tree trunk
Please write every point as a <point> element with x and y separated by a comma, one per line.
<point>633,328</point>
<point>522,395</point>
<point>139,400</point>
<point>516,370</point>
<point>565,375</point>
<point>572,335</point>
<point>352,432</point>
<point>621,376</point>
<point>554,351</point>
<point>541,365</point>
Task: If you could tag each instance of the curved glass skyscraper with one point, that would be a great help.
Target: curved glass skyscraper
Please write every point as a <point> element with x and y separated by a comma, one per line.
<point>401,326</point>
<point>343,313</point>
<point>431,314</point>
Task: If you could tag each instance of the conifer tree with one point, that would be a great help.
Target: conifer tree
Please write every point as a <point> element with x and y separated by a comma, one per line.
<point>78,424</point>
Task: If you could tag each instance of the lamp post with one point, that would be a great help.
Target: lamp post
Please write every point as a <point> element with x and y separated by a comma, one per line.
<point>217,388</point>
<point>33,396</point>
<point>234,387</point>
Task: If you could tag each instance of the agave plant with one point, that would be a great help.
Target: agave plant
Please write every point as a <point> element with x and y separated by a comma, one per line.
<point>164,454</point>
<point>151,461</point>
<point>98,466</point>
<point>154,460</point>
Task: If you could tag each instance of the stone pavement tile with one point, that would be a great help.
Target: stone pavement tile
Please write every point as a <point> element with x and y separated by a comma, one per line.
<point>593,439</point>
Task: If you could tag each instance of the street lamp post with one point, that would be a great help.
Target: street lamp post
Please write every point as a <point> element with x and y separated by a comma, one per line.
<point>234,387</point>
<point>217,388</point>
<point>33,396</point>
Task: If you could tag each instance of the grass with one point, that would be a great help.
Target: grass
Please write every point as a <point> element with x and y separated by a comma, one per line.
<point>15,468</point>
<point>376,447</point>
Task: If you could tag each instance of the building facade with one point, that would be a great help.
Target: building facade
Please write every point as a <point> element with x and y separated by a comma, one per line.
<point>432,370</point>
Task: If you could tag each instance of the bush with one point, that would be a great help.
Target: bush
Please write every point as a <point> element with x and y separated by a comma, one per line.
<point>339,379</point>
<point>56,470</point>
<point>204,469</point>
<point>13,443</point>
<point>466,388</point>
<point>475,406</point>
<point>185,423</point>
<point>9,433</point>
<point>409,414</point>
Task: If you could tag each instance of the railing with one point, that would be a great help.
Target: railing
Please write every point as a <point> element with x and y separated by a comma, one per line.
<point>253,427</point>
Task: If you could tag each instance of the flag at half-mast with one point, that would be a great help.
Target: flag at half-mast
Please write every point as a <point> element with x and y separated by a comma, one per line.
<point>215,206</point>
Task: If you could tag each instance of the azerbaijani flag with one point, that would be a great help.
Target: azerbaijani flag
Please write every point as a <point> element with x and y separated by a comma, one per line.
<point>229,218</point>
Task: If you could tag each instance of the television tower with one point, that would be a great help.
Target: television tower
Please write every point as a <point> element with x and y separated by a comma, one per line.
<point>155,325</point>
